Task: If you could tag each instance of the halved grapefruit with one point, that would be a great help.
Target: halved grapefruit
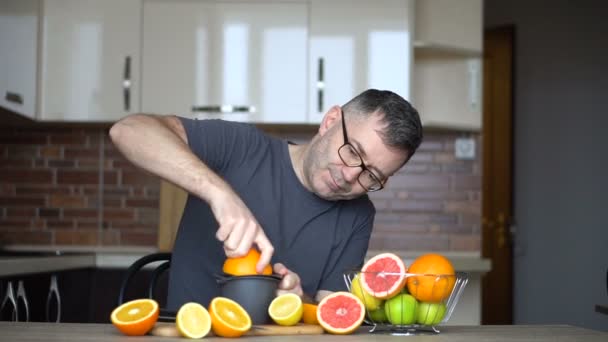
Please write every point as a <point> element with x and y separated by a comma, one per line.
<point>340,313</point>
<point>383,276</point>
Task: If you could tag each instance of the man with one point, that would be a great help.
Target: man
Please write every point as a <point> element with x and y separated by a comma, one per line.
<point>303,206</point>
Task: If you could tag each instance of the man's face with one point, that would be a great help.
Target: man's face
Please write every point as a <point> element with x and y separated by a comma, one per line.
<point>324,171</point>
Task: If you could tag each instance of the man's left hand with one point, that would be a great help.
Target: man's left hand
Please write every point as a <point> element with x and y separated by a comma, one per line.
<point>290,282</point>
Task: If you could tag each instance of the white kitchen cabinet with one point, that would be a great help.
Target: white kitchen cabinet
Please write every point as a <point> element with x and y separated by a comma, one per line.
<point>448,73</point>
<point>90,59</point>
<point>451,25</point>
<point>447,90</point>
<point>239,61</point>
<point>18,56</point>
<point>356,45</point>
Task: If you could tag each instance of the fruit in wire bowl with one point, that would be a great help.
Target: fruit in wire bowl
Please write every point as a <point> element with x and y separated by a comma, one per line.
<point>403,299</point>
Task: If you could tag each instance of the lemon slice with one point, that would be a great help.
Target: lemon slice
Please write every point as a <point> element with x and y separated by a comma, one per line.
<point>193,321</point>
<point>286,309</point>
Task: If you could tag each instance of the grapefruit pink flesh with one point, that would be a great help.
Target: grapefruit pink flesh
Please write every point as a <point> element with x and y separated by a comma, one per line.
<point>340,313</point>
<point>383,275</point>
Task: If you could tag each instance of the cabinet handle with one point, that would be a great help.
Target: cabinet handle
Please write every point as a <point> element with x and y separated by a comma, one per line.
<point>13,97</point>
<point>474,87</point>
<point>224,109</point>
<point>126,84</point>
<point>53,293</point>
<point>320,84</point>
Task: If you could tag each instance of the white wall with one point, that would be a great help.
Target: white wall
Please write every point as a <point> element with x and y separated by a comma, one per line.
<point>561,158</point>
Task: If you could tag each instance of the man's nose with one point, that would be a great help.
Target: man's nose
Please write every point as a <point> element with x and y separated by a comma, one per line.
<point>351,173</point>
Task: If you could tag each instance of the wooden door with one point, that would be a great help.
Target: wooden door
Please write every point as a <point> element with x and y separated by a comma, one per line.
<point>497,285</point>
<point>172,203</point>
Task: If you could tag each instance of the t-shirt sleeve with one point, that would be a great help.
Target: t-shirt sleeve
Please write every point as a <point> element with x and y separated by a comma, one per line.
<point>349,253</point>
<point>219,143</point>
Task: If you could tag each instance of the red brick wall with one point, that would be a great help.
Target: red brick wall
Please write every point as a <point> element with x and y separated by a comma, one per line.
<point>433,203</point>
<point>69,185</point>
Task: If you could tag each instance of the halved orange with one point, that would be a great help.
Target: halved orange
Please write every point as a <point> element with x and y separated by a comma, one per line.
<point>228,318</point>
<point>193,320</point>
<point>135,318</point>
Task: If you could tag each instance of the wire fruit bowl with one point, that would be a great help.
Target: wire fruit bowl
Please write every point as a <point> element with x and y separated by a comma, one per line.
<point>430,304</point>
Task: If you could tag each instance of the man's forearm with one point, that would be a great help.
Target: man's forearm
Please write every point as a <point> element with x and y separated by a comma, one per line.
<point>159,145</point>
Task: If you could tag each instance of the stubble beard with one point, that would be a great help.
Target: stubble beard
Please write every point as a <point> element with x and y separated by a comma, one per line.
<point>313,162</point>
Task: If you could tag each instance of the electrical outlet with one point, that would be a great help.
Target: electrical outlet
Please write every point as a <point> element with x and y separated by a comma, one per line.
<point>464,148</point>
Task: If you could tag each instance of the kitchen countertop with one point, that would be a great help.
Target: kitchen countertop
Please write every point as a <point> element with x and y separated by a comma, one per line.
<point>62,258</point>
<point>106,332</point>
<point>463,261</point>
<point>26,259</point>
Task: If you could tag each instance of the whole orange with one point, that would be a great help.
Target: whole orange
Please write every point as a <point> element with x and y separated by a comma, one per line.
<point>431,278</point>
<point>309,316</point>
<point>245,265</point>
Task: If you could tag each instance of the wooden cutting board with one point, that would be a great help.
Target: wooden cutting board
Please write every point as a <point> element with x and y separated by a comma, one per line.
<point>169,330</point>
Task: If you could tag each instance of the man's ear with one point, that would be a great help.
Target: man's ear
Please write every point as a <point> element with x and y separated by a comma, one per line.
<point>331,117</point>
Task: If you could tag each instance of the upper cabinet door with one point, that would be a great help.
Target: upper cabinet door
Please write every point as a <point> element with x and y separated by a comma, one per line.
<point>356,45</point>
<point>90,61</point>
<point>448,71</point>
<point>453,26</point>
<point>18,56</point>
<point>242,61</point>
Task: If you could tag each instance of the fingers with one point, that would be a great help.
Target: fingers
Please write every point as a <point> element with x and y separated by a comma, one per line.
<point>266,250</point>
<point>238,237</point>
<point>280,269</point>
<point>290,282</point>
<point>246,241</point>
<point>241,238</point>
<point>237,225</point>
<point>222,232</point>
<point>233,240</point>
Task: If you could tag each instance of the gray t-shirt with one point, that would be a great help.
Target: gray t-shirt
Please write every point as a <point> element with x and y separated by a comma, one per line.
<point>316,238</point>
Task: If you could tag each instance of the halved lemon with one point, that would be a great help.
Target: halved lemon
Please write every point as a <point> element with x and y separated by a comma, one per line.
<point>135,317</point>
<point>286,309</point>
<point>193,320</point>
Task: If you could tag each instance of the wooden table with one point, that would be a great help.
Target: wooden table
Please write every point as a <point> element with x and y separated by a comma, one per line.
<point>51,332</point>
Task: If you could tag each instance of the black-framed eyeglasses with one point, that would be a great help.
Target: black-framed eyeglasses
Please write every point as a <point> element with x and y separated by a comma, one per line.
<point>351,158</point>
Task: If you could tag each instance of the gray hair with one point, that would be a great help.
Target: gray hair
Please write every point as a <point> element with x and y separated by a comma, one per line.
<point>403,127</point>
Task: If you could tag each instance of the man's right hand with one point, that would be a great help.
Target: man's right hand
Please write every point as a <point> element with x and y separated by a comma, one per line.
<point>143,139</point>
<point>238,228</point>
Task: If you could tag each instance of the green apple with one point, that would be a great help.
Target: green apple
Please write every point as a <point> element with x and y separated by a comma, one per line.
<point>378,315</point>
<point>370,302</point>
<point>401,309</point>
<point>430,313</point>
